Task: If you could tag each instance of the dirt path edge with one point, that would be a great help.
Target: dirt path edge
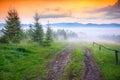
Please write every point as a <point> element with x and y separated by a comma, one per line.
<point>57,65</point>
<point>91,70</point>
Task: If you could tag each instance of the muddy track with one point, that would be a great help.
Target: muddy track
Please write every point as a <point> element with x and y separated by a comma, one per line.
<point>91,70</point>
<point>57,65</point>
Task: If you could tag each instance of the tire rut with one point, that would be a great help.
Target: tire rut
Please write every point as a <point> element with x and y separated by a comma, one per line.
<point>57,65</point>
<point>91,70</point>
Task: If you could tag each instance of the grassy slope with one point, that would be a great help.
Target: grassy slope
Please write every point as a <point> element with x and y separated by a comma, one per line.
<point>106,61</point>
<point>26,60</point>
<point>74,67</point>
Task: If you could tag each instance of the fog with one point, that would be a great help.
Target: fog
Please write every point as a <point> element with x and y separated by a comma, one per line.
<point>97,34</point>
<point>90,34</point>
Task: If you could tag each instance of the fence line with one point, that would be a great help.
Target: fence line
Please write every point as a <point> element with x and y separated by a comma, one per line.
<point>116,51</point>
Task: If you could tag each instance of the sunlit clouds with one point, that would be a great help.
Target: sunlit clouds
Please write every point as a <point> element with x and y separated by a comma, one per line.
<point>56,11</point>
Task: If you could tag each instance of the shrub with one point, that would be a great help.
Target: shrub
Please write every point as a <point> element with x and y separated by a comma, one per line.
<point>45,43</point>
<point>4,39</point>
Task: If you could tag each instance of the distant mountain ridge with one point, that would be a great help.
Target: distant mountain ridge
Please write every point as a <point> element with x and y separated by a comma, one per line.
<point>84,25</point>
<point>72,25</point>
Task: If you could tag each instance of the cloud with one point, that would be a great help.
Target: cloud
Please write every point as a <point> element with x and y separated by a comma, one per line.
<point>111,12</point>
<point>55,13</point>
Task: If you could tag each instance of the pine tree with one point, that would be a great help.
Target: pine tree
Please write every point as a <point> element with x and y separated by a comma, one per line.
<point>38,31</point>
<point>62,34</point>
<point>55,36</point>
<point>12,27</point>
<point>65,35</point>
<point>49,36</point>
<point>30,32</point>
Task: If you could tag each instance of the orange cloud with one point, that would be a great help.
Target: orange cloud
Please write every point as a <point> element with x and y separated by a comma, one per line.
<point>27,8</point>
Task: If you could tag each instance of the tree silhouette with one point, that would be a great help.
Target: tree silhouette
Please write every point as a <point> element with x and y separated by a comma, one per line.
<point>49,36</point>
<point>12,28</point>
<point>38,31</point>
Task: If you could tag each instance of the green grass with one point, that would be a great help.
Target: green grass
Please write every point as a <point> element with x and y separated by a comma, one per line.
<point>106,61</point>
<point>26,61</point>
<point>74,67</point>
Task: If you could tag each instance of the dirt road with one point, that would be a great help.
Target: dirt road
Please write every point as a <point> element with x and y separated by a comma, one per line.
<point>57,65</point>
<point>91,70</point>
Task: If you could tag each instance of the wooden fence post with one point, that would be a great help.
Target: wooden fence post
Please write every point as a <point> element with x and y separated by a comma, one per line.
<point>99,47</point>
<point>116,51</point>
<point>116,56</point>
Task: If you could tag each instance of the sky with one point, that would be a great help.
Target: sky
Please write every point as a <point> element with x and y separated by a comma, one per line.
<point>58,11</point>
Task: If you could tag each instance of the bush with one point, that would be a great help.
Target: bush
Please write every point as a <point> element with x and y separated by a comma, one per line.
<point>15,39</point>
<point>45,43</point>
<point>20,49</point>
<point>4,39</point>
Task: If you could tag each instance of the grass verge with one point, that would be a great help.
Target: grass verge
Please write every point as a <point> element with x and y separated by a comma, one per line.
<point>106,61</point>
<point>74,67</point>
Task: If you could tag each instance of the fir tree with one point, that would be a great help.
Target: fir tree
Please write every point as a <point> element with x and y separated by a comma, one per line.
<point>12,27</point>
<point>49,36</point>
<point>38,31</point>
<point>65,35</point>
<point>30,32</point>
<point>55,36</point>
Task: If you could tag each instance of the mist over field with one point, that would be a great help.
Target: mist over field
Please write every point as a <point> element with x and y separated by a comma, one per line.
<point>101,34</point>
<point>111,34</point>
<point>59,39</point>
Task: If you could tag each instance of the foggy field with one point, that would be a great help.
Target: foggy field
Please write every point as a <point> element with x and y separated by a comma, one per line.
<point>100,34</point>
<point>59,39</point>
<point>28,60</point>
<point>90,34</point>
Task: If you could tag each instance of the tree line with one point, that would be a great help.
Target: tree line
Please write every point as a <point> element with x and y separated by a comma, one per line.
<point>13,33</point>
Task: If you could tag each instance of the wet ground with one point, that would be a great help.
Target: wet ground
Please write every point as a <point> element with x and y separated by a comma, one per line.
<point>91,70</point>
<point>57,65</point>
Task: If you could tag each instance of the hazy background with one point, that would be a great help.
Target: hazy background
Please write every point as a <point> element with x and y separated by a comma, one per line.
<point>92,13</point>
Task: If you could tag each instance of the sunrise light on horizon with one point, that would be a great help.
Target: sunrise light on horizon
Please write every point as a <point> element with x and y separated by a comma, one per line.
<point>57,11</point>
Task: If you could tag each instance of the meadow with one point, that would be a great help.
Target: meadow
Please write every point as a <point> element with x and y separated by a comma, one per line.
<point>27,60</point>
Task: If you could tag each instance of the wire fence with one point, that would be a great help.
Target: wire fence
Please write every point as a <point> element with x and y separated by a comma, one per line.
<point>115,51</point>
